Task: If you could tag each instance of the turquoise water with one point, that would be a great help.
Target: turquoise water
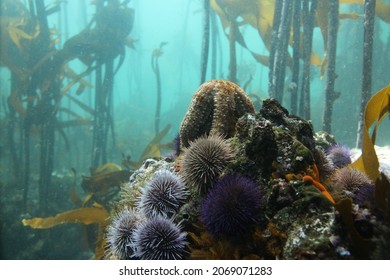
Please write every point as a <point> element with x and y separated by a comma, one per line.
<point>171,33</point>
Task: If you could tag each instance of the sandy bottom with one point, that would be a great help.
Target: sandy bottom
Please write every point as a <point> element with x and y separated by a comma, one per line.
<point>383,154</point>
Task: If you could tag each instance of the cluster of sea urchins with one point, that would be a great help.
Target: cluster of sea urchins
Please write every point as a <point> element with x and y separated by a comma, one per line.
<point>348,182</point>
<point>231,203</point>
<point>153,235</point>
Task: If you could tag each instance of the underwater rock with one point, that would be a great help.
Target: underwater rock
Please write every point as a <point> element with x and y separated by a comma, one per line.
<point>293,217</point>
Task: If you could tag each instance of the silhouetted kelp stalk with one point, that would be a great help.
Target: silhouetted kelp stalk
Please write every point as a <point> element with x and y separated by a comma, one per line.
<point>214,37</point>
<point>155,66</point>
<point>44,113</point>
<point>296,45</point>
<point>37,69</point>
<point>280,38</point>
<point>330,94</point>
<point>308,25</point>
<point>205,41</point>
<point>368,42</point>
<point>232,50</point>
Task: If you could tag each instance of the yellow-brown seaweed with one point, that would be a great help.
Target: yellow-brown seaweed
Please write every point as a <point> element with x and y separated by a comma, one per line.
<point>86,216</point>
<point>377,108</point>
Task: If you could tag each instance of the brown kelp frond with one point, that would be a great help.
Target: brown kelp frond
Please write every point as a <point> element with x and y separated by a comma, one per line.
<point>382,196</point>
<point>105,177</point>
<point>205,247</point>
<point>363,247</point>
<point>77,78</point>
<point>90,215</point>
<point>75,122</point>
<point>152,150</point>
<point>260,13</point>
<point>83,106</point>
<point>14,28</point>
<point>376,109</point>
<point>86,216</point>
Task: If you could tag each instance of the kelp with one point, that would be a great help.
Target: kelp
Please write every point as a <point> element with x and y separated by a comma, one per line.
<point>100,183</point>
<point>382,196</point>
<point>89,215</point>
<point>14,28</point>
<point>205,247</point>
<point>377,108</point>
<point>362,247</point>
<point>382,10</point>
<point>152,150</point>
<point>259,14</point>
<point>96,214</point>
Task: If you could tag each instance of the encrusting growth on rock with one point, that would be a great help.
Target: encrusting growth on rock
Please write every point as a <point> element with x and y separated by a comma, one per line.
<point>214,110</point>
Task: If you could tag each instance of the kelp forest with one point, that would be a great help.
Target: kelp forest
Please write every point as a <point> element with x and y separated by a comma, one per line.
<point>91,89</point>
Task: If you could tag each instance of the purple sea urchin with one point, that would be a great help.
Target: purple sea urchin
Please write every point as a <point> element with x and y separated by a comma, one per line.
<point>119,233</point>
<point>339,155</point>
<point>365,195</point>
<point>350,182</point>
<point>204,161</point>
<point>231,208</point>
<point>163,195</point>
<point>159,239</point>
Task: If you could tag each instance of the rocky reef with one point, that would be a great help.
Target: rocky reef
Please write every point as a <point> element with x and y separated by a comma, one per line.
<point>248,185</point>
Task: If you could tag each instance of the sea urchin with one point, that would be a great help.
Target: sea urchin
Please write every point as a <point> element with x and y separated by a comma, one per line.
<point>163,195</point>
<point>339,155</point>
<point>120,231</point>
<point>204,161</point>
<point>231,208</point>
<point>352,183</point>
<point>159,239</point>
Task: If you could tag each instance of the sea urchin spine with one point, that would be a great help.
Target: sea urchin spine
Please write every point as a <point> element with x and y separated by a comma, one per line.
<point>159,239</point>
<point>231,209</point>
<point>163,195</point>
<point>339,156</point>
<point>119,233</point>
<point>204,161</point>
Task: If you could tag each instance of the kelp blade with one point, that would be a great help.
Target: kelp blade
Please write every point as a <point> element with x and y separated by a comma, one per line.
<point>377,108</point>
<point>84,216</point>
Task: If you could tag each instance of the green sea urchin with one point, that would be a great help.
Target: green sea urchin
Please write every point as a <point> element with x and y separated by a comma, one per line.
<point>159,239</point>
<point>163,195</point>
<point>119,233</point>
<point>348,181</point>
<point>204,161</point>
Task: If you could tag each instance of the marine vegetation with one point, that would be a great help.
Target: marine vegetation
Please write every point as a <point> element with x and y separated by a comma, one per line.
<point>245,181</point>
<point>41,77</point>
